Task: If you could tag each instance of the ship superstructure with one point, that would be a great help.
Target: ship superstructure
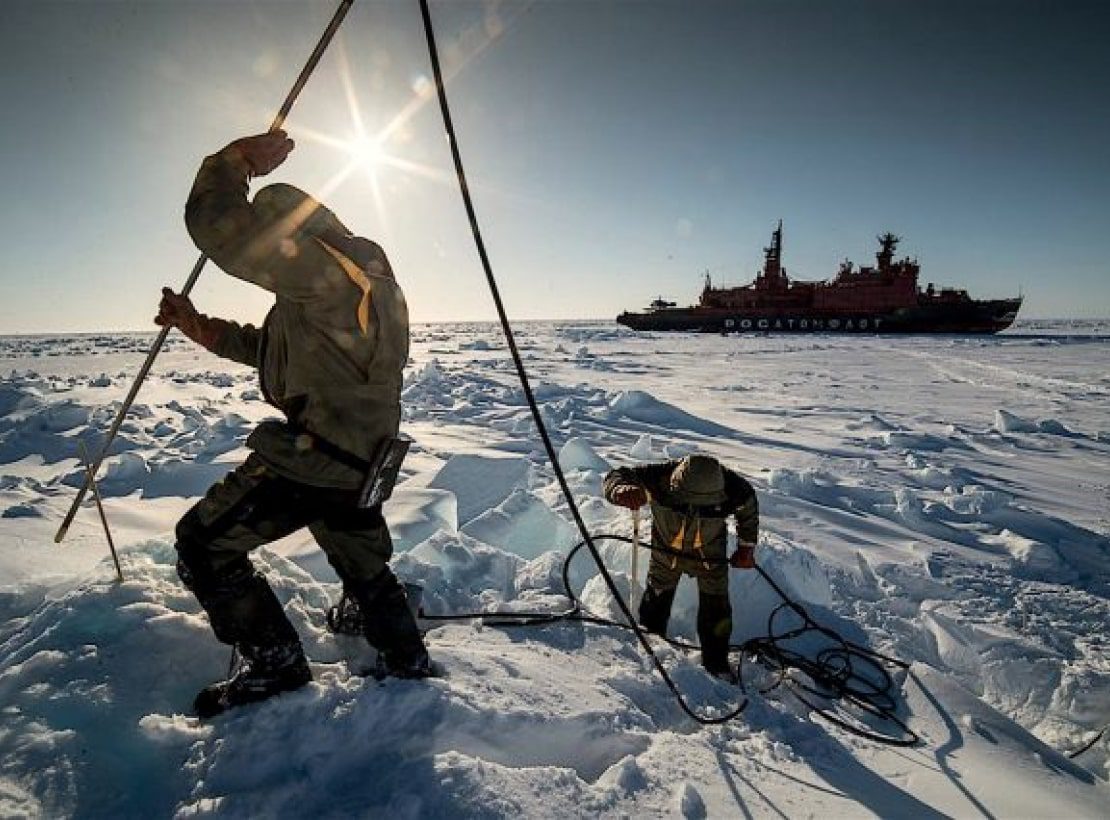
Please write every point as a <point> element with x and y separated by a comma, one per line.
<point>885,298</point>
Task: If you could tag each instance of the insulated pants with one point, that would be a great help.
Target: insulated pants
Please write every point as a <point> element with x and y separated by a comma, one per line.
<point>714,609</point>
<point>253,506</point>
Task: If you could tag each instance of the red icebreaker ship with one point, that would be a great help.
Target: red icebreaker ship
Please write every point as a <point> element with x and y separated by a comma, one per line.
<point>882,299</point>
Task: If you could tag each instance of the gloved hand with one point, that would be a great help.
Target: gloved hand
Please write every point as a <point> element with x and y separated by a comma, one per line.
<point>261,153</point>
<point>176,310</point>
<point>744,557</point>
<point>630,496</point>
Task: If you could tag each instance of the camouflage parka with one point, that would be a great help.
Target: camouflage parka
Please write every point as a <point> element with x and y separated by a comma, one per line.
<point>331,351</point>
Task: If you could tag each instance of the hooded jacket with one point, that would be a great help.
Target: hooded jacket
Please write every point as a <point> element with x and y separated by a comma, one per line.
<point>331,351</point>
<point>681,515</point>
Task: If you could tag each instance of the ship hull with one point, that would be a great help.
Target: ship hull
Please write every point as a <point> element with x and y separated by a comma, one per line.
<point>973,317</point>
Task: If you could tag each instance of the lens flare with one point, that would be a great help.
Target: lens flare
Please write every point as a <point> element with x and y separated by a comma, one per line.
<point>366,152</point>
<point>371,156</point>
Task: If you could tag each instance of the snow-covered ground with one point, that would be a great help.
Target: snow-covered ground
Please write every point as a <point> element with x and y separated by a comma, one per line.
<point>943,499</point>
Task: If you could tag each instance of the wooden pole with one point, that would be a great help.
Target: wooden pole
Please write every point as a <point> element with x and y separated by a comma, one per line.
<point>91,479</point>
<point>634,585</point>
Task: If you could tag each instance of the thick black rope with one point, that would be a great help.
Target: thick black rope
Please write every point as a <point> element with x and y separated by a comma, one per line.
<point>1090,743</point>
<point>841,658</point>
<point>464,189</point>
<point>845,671</point>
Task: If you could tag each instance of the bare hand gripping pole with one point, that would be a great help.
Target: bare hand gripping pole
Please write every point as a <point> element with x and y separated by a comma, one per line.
<point>279,120</point>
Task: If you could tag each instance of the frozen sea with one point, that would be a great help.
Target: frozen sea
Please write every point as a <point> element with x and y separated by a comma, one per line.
<point>944,499</point>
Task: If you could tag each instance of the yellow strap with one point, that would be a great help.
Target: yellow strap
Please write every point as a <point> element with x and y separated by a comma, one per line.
<point>676,543</point>
<point>679,541</point>
<point>359,277</point>
<point>698,544</point>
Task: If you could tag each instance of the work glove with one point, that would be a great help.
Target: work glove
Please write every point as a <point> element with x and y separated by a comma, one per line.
<point>177,310</point>
<point>261,153</point>
<point>630,496</point>
<point>744,557</point>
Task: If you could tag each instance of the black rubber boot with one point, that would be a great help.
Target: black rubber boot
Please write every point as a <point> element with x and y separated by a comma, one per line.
<point>245,613</point>
<point>714,631</point>
<point>390,627</point>
<point>263,672</point>
<point>345,617</point>
<point>655,609</point>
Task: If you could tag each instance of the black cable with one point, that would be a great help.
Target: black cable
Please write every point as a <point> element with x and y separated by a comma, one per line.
<point>819,672</point>
<point>464,189</point>
<point>1088,745</point>
<point>844,672</point>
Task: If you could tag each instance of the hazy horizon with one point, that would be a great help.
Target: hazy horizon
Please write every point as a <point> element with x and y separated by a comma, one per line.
<point>559,320</point>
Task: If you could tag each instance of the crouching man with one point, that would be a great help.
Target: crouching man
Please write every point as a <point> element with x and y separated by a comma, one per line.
<point>329,356</point>
<point>691,500</point>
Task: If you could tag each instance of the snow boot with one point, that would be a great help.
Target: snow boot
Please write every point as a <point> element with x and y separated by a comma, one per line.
<point>714,632</point>
<point>263,672</point>
<point>390,627</point>
<point>655,609</point>
<point>345,617</point>
<point>245,613</point>
<point>413,668</point>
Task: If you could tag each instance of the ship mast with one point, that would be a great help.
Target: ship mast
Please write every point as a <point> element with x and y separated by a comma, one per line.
<point>888,243</point>
<point>772,274</point>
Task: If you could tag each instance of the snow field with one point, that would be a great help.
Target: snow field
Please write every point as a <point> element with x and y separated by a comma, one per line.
<point>942,500</point>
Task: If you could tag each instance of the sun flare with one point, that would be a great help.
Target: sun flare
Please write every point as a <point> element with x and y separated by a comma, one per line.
<point>366,152</point>
<point>370,156</point>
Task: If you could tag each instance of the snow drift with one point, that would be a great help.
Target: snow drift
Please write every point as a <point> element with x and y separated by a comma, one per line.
<point>939,500</point>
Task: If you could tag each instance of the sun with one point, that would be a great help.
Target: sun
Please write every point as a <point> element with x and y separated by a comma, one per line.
<point>366,152</point>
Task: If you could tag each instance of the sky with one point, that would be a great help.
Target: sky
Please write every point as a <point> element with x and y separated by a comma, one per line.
<point>617,151</point>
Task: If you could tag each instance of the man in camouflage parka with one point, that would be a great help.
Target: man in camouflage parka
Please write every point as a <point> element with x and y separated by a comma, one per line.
<point>330,356</point>
<point>690,501</point>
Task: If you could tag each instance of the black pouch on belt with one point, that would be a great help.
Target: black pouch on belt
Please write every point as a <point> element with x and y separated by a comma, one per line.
<point>383,472</point>
<point>379,474</point>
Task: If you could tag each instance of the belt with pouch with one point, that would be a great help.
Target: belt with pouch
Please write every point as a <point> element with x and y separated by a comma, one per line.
<point>380,473</point>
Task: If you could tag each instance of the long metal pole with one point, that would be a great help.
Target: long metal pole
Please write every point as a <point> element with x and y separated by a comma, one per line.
<point>100,509</point>
<point>279,120</point>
